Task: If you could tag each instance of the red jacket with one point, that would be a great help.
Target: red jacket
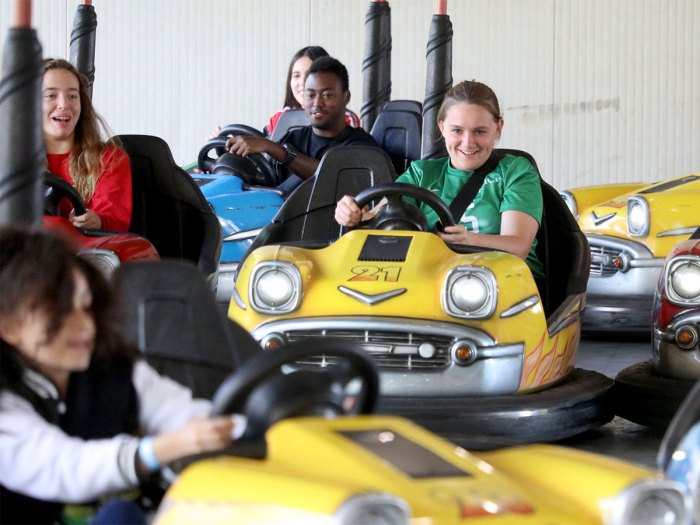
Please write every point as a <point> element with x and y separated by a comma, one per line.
<point>112,197</point>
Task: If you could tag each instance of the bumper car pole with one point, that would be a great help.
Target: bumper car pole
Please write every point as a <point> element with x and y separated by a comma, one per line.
<point>438,79</point>
<point>82,41</point>
<point>376,66</point>
<point>22,150</point>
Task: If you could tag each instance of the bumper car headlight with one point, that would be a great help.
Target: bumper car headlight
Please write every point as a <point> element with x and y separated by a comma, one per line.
<point>570,201</point>
<point>651,502</point>
<point>275,287</point>
<point>377,509</point>
<point>638,216</point>
<point>105,261</point>
<point>683,280</point>
<point>470,292</point>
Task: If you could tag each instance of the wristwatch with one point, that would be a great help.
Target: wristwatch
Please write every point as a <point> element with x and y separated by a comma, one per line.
<point>292,153</point>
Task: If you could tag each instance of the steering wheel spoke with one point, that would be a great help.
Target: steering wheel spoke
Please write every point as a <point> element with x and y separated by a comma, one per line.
<point>397,214</point>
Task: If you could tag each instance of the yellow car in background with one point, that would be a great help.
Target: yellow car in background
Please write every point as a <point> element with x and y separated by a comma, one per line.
<point>631,228</point>
<point>357,469</point>
<point>466,343</point>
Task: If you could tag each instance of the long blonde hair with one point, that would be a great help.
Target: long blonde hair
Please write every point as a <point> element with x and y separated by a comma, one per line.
<point>87,156</point>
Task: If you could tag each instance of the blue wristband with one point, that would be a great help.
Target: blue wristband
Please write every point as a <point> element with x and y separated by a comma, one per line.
<point>147,454</point>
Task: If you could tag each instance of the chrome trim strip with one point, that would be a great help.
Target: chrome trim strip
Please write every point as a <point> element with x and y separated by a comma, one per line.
<point>238,300</point>
<point>603,218</point>
<point>521,306</point>
<point>242,235</point>
<point>371,300</point>
<point>636,249</point>
<point>655,262</point>
<point>679,231</point>
<point>369,323</point>
<point>684,318</point>
<point>567,313</point>
<point>228,267</point>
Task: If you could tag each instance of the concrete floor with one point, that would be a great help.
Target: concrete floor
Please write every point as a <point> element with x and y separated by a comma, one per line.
<point>619,438</point>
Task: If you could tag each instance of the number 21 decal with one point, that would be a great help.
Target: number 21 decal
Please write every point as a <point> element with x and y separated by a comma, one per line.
<point>375,273</point>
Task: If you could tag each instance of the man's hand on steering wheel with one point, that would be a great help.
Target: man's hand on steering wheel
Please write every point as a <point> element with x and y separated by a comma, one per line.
<point>245,145</point>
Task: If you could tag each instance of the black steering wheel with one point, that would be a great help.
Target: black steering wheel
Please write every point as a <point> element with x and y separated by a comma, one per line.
<point>398,214</point>
<point>262,390</point>
<point>253,169</point>
<point>237,129</point>
<point>58,189</point>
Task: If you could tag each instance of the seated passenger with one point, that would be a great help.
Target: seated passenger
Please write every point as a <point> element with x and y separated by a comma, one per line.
<point>294,89</point>
<point>76,152</point>
<point>81,416</point>
<point>326,96</point>
<point>506,212</point>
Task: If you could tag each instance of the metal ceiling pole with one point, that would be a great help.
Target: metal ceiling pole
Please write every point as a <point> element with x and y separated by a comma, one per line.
<point>82,41</point>
<point>438,79</point>
<point>376,66</point>
<point>22,150</point>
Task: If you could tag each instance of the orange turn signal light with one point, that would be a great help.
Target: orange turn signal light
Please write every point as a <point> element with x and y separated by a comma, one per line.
<point>686,337</point>
<point>464,354</point>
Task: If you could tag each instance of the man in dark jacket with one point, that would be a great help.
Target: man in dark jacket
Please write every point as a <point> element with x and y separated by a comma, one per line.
<point>298,153</point>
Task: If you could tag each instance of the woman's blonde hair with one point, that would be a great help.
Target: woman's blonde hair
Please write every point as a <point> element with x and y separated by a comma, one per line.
<point>87,156</point>
<point>470,92</point>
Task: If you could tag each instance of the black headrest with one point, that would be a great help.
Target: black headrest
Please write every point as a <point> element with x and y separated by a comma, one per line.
<point>290,120</point>
<point>168,206</point>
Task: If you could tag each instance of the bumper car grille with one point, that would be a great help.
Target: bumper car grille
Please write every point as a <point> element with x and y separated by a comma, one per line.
<point>390,350</point>
<point>602,258</point>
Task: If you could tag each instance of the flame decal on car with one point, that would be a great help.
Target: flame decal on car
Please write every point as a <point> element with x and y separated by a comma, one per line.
<point>538,370</point>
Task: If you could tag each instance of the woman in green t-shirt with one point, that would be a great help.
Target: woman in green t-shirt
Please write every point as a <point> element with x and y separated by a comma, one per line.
<point>506,212</point>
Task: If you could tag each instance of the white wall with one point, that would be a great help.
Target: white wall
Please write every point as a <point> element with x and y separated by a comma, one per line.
<point>596,90</point>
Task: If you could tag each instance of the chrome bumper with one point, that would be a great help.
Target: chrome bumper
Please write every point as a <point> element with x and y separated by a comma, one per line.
<point>226,282</point>
<point>414,356</point>
<point>672,360</point>
<point>620,299</point>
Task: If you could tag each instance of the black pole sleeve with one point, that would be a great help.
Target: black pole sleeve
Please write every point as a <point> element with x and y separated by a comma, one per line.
<point>376,66</point>
<point>82,42</point>
<point>22,150</point>
<point>438,80</point>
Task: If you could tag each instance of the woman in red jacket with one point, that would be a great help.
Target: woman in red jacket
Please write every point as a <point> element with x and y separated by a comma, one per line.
<point>77,153</point>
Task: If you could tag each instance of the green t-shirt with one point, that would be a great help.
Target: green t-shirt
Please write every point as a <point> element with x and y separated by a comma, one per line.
<point>513,185</point>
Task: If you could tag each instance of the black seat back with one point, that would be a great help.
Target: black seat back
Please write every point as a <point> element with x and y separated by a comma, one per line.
<point>561,247</point>
<point>414,106</point>
<point>308,214</point>
<point>290,120</point>
<point>168,206</point>
<point>564,250</point>
<point>398,132</point>
<point>171,315</point>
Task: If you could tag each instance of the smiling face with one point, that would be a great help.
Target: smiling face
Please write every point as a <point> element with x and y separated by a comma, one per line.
<point>470,133</point>
<point>69,349</point>
<point>325,103</point>
<point>296,81</point>
<point>61,109</point>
